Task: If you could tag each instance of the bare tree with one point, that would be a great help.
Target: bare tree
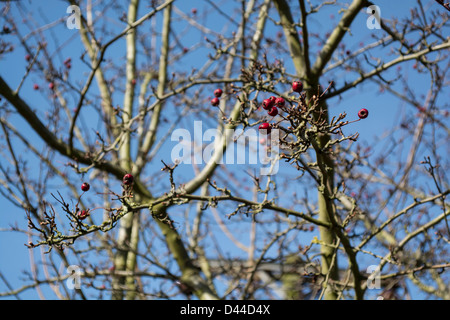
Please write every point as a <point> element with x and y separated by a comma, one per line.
<point>89,130</point>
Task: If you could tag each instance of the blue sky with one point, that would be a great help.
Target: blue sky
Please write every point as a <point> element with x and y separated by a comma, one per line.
<point>385,110</point>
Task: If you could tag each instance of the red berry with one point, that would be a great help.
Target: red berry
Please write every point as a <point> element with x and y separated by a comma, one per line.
<point>218,92</point>
<point>68,65</point>
<point>273,112</point>
<point>194,11</point>
<point>36,86</point>
<point>279,102</point>
<point>297,86</point>
<point>265,126</point>
<point>363,113</point>
<point>67,61</point>
<point>268,103</point>
<point>215,101</point>
<point>133,82</point>
<point>85,186</point>
<point>51,85</point>
<point>28,57</point>
<point>128,179</point>
<point>82,214</point>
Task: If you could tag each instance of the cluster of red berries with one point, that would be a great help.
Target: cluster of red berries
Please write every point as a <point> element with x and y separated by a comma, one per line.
<point>82,214</point>
<point>272,104</point>
<point>36,86</point>
<point>127,180</point>
<point>68,63</point>
<point>217,93</point>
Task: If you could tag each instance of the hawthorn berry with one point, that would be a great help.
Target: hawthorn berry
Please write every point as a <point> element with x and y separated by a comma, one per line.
<point>280,101</point>
<point>128,179</point>
<point>218,92</point>
<point>133,82</point>
<point>27,57</point>
<point>215,101</point>
<point>36,86</point>
<point>51,85</point>
<point>273,112</point>
<point>297,86</point>
<point>268,103</point>
<point>363,113</point>
<point>82,214</point>
<point>265,126</point>
<point>85,186</point>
